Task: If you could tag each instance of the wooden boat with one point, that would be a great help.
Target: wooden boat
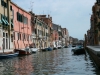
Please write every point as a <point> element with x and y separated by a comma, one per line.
<point>8,55</point>
<point>22,52</point>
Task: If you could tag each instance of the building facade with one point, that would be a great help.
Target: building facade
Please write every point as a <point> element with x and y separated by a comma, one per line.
<point>22,27</point>
<point>55,35</point>
<point>65,38</point>
<point>6,25</point>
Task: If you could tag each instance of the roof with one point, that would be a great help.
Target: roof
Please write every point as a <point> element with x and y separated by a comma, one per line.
<point>19,7</point>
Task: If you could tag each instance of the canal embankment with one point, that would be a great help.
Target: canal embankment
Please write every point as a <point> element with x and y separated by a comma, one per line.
<point>94,52</point>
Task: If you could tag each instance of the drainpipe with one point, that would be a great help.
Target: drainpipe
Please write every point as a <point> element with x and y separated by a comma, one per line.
<point>9,30</point>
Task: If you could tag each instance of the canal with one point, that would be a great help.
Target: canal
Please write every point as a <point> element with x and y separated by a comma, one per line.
<point>56,62</point>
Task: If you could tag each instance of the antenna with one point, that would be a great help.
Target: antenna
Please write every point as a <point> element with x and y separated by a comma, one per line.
<point>31,5</point>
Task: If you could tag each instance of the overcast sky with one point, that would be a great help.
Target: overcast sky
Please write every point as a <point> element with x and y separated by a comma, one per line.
<point>71,14</point>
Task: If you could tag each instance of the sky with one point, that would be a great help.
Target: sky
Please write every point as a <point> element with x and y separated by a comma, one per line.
<point>71,14</point>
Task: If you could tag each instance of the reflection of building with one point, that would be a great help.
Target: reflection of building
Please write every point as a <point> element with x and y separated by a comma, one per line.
<point>6,25</point>
<point>24,66</point>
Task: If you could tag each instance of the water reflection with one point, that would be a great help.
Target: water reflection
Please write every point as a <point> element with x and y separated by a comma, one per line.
<point>24,66</point>
<point>56,62</point>
<point>17,66</point>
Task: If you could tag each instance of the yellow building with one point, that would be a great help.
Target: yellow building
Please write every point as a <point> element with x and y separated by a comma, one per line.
<point>6,25</point>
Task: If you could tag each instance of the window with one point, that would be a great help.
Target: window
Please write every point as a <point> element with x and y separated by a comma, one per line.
<point>2,2</point>
<point>22,18</point>
<point>17,16</point>
<point>18,36</point>
<point>35,31</point>
<point>5,4</point>
<point>24,36</point>
<point>11,37</point>
<point>59,38</point>
<point>13,13</point>
<point>6,35</point>
<point>3,34</point>
<point>14,35</point>
<point>11,8</point>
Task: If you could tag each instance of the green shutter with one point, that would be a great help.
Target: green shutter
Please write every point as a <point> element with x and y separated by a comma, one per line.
<point>4,21</point>
<point>2,2</point>
<point>12,24</point>
<point>0,22</point>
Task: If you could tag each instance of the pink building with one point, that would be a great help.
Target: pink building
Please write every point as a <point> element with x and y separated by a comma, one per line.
<point>55,35</point>
<point>22,27</point>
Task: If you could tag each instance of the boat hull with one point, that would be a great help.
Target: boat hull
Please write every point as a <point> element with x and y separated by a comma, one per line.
<point>22,52</point>
<point>9,55</point>
<point>34,50</point>
<point>79,51</point>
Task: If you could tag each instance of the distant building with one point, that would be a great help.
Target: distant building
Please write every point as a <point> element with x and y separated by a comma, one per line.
<point>70,40</point>
<point>65,35</point>
<point>75,41</point>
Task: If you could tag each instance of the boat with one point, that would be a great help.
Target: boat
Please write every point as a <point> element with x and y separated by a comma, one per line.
<point>65,46</point>
<point>8,55</point>
<point>34,50</point>
<point>23,51</point>
<point>50,49</point>
<point>79,50</point>
<point>55,48</point>
<point>73,45</point>
<point>59,47</point>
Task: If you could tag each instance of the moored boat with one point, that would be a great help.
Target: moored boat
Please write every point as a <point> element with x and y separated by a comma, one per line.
<point>8,55</point>
<point>79,50</point>
<point>59,47</point>
<point>22,51</point>
<point>65,46</point>
<point>50,49</point>
<point>34,50</point>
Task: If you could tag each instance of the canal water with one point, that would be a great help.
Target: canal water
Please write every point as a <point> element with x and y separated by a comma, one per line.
<point>56,62</point>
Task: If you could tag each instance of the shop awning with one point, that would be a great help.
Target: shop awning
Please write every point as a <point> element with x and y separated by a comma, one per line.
<point>0,21</point>
<point>4,21</point>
